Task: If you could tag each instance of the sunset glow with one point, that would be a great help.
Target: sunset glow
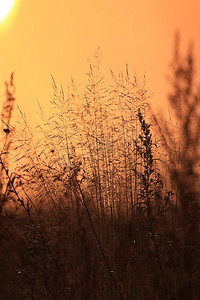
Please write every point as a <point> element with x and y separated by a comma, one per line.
<point>99,149</point>
<point>5,8</point>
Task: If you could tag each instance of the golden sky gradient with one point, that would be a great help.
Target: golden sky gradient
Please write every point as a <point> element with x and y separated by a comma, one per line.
<point>58,37</point>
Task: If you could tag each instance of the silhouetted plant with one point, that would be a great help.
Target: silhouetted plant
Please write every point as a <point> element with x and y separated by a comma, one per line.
<point>153,199</point>
<point>185,99</point>
<point>183,151</point>
<point>6,133</point>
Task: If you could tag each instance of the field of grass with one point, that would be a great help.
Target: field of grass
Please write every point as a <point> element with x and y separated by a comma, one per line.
<point>105,203</point>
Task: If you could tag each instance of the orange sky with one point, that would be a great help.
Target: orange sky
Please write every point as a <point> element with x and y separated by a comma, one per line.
<point>58,37</point>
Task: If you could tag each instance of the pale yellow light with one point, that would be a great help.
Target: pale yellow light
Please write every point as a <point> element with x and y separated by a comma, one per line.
<point>5,8</point>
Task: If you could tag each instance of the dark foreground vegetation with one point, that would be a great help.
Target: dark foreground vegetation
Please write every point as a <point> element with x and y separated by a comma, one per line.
<point>105,205</point>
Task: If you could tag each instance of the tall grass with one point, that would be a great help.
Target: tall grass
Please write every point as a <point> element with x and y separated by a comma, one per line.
<point>92,216</point>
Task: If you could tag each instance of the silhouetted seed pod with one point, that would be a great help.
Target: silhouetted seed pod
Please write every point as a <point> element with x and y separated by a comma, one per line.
<point>6,130</point>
